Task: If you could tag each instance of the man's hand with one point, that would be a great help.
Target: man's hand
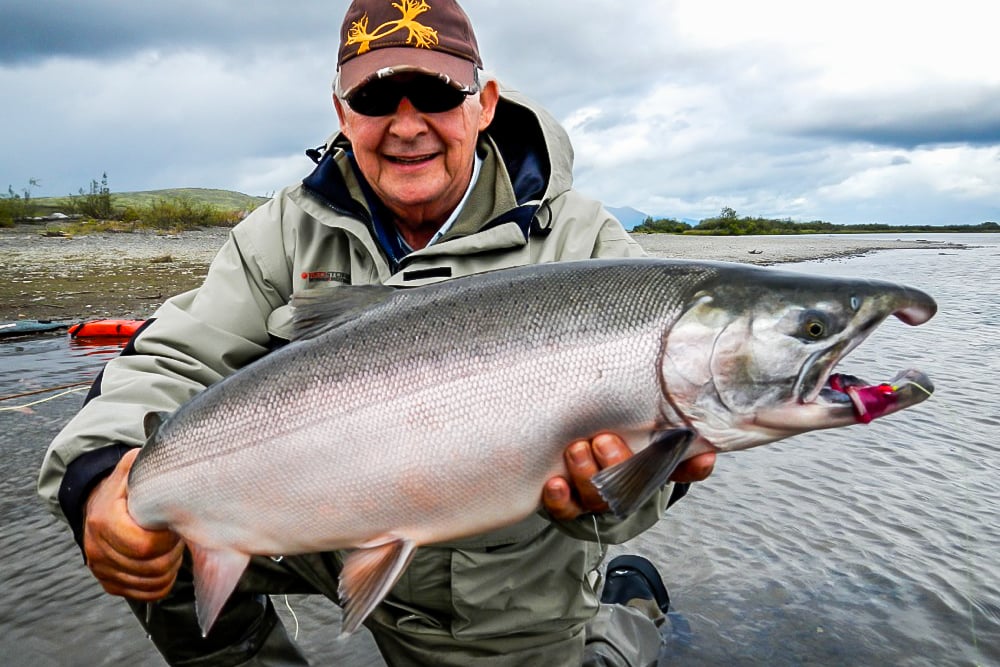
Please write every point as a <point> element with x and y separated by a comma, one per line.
<point>565,499</point>
<point>127,559</point>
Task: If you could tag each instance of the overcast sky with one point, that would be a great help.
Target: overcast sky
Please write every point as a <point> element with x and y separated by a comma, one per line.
<point>853,111</point>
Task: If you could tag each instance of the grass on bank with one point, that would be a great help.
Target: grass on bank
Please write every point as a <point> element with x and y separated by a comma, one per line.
<point>101,210</point>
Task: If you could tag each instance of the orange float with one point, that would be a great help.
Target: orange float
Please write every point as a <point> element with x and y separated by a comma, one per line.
<point>106,328</point>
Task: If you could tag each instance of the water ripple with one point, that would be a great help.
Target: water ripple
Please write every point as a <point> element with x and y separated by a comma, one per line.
<point>868,545</point>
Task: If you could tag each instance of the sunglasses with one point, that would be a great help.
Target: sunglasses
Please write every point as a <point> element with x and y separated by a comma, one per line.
<point>427,94</point>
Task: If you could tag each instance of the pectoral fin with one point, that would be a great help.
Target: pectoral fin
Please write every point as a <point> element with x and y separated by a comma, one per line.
<point>369,574</point>
<point>629,484</point>
<point>216,573</point>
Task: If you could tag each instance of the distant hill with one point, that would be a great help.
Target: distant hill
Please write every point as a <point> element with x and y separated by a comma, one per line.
<point>628,216</point>
<point>222,199</point>
<point>225,199</point>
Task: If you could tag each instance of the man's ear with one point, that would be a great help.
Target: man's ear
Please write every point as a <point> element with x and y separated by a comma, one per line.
<point>488,98</point>
<point>341,116</point>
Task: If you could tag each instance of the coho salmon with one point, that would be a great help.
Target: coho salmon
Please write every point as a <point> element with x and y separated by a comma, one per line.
<point>405,417</point>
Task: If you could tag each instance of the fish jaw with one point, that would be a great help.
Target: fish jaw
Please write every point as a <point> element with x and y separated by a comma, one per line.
<point>872,401</point>
<point>845,399</point>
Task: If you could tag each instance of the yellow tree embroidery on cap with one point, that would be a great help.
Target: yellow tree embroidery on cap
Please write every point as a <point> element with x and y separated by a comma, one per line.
<point>420,35</point>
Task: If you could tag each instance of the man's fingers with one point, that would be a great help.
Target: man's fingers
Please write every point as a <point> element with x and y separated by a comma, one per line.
<point>609,450</point>
<point>695,469</point>
<point>567,498</point>
<point>109,560</point>
<point>581,464</point>
<point>133,542</point>
<point>140,590</point>
<point>126,558</point>
<point>558,500</point>
<point>137,579</point>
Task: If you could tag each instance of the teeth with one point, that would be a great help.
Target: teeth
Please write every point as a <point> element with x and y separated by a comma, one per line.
<point>410,160</point>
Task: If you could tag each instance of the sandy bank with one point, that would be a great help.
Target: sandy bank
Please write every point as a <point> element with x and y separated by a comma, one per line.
<point>766,250</point>
<point>130,275</point>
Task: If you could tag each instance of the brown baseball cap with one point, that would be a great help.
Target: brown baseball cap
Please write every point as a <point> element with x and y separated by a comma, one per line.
<point>380,38</point>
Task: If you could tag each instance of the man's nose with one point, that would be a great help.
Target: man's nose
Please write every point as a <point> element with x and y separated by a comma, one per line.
<point>407,121</point>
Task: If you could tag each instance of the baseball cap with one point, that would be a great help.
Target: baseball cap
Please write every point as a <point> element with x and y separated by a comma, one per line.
<point>380,38</point>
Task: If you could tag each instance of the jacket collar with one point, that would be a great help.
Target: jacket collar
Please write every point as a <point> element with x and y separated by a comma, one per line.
<point>528,152</point>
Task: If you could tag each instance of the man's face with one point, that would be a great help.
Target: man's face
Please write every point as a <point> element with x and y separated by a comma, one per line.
<point>419,163</point>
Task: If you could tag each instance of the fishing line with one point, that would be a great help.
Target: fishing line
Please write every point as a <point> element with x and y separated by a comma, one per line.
<point>598,579</point>
<point>597,534</point>
<point>295,618</point>
<point>43,391</point>
<point>923,389</point>
<point>41,400</point>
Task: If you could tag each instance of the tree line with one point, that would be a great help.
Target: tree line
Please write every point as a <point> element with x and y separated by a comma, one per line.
<point>728,223</point>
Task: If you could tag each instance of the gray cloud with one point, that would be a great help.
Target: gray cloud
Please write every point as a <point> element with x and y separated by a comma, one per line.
<point>33,30</point>
<point>672,117</point>
<point>921,118</point>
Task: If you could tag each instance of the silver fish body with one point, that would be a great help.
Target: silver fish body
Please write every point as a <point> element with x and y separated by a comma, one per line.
<point>407,417</point>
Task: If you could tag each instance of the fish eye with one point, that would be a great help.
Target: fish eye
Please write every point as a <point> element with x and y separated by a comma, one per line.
<point>814,325</point>
<point>815,329</point>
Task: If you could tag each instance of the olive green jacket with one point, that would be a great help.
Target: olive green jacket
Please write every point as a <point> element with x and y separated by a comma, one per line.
<point>521,211</point>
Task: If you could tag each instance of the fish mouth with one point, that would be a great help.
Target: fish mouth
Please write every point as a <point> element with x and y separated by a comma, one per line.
<point>845,399</point>
<point>871,401</point>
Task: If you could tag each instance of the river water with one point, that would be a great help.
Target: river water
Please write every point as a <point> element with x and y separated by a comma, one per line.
<point>870,545</point>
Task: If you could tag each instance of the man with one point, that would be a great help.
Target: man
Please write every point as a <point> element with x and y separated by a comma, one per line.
<point>433,175</point>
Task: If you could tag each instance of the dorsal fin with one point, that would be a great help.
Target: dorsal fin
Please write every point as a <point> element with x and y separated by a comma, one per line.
<point>324,309</point>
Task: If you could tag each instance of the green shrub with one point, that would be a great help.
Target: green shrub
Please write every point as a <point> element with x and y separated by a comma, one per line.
<point>16,206</point>
<point>95,204</point>
<point>183,213</point>
<point>662,226</point>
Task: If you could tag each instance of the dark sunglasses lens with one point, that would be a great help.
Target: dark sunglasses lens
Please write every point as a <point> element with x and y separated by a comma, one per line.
<point>376,99</point>
<point>381,98</point>
<point>435,98</point>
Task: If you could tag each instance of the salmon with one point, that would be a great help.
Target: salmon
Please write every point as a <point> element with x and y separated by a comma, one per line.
<point>401,418</point>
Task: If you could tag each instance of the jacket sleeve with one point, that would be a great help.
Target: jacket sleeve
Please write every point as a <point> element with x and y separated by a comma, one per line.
<point>192,341</point>
<point>577,227</point>
<point>613,241</point>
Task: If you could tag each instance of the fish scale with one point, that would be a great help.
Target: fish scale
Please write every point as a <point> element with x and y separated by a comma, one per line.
<point>399,418</point>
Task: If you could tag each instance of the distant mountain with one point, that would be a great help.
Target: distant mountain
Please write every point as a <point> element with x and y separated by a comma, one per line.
<point>628,216</point>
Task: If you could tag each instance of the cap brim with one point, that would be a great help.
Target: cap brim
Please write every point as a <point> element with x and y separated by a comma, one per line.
<point>384,62</point>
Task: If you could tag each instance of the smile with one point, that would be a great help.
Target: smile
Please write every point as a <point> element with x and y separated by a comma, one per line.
<point>416,159</point>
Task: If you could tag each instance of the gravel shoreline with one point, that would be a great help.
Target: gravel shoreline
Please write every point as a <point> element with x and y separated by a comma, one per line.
<point>121,275</point>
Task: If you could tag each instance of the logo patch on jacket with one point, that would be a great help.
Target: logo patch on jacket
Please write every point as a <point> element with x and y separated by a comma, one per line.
<point>326,277</point>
